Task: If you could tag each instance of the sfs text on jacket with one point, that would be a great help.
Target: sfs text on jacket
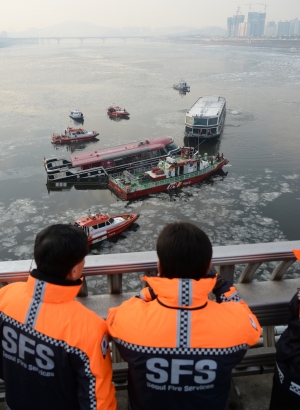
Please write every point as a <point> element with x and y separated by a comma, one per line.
<point>181,346</point>
<point>54,352</point>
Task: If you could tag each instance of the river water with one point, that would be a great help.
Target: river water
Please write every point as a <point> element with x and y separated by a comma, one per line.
<point>256,200</point>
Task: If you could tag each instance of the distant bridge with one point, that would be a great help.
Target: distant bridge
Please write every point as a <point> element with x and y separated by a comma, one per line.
<point>42,40</point>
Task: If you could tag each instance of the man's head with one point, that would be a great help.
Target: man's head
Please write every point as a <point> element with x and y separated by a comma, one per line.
<point>184,251</point>
<point>59,248</point>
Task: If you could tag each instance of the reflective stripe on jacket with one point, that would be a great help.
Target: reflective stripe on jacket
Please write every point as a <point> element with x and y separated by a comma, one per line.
<point>181,346</point>
<point>54,351</point>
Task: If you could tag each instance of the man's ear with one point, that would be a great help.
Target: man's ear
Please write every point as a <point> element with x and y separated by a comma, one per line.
<point>76,271</point>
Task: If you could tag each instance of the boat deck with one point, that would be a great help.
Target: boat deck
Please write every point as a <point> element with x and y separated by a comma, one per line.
<point>139,184</point>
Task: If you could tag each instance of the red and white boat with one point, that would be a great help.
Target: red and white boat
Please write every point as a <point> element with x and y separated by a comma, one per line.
<point>99,227</point>
<point>116,111</point>
<point>171,172</point>
<point>73,135</point>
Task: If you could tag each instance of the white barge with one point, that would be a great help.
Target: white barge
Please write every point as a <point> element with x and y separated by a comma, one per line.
<point>206,118</point>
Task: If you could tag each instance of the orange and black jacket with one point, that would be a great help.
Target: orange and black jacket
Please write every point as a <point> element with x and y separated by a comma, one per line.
<point>54,351</point>
<point>180,346</point>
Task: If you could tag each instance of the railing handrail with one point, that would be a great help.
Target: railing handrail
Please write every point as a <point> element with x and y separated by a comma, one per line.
<point>111,264</point>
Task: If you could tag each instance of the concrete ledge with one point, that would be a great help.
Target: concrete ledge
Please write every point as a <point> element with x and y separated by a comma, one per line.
<point>269,300</point>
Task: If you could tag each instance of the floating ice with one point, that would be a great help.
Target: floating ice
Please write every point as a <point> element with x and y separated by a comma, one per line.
<point>294,176</point>
<point>270,196</point>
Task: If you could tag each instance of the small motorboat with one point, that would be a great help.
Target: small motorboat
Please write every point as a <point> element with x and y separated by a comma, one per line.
<point>182,86</point>
<point>99,227</point>
<point>73,135</point>
<point>116,111</point>
<point>76,115</point>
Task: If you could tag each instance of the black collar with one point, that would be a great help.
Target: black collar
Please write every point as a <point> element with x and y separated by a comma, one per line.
<point>54,279</point>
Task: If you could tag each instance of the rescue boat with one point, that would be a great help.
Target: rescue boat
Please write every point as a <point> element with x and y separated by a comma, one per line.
<point>73,135</point>
<point>116,111</point>
<point>76,115</point>
<point>99,227</point>
<point>171,172</point>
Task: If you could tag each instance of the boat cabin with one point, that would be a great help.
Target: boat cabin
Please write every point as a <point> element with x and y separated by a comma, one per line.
<point>206,117</point>
<point>92,223</point>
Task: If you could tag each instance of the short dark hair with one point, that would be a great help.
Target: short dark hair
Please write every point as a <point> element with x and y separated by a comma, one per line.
<point>58,248</point>
<point>184,251</point>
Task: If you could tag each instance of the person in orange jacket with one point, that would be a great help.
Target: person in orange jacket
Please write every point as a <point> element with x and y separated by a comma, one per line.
<point>286,380</point>
<point>54,352</point>
<point>180,345</point>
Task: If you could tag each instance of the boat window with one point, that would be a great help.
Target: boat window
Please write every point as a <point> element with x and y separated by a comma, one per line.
<point>200,121</point>
<point>164,151</point>
<point>119,161</point>
<point>154,154</point>
<point>101,225</point>
<point>171,146</point>
<point>107,223</point>
<point>127,160</point>
<point>95,226</point>
<point>145,155</point>
<point>111,220</point>
<point>213,121</point>
<point>189,120</point>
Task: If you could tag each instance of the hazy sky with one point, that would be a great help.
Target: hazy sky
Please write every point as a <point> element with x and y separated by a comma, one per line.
<point>21,15</point>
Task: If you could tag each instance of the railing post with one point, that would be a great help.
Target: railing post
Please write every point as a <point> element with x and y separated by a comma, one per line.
<point>248,273</point>
<point>281,269</point>
<point>226,271</point>
<point>268,336</point>
<point>114,283</point>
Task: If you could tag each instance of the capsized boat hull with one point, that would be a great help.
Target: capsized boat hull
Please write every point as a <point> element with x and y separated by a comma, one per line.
<point>170,183</point>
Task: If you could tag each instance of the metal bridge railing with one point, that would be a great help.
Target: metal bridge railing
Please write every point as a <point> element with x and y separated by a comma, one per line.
<point>225,258</point>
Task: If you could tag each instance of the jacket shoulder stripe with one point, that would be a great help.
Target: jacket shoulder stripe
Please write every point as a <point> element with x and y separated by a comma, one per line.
<point>35,304</point>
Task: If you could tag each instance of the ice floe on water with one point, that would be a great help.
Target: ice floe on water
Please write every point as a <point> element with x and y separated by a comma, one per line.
<point>294,176</point>
<point>234,112</point>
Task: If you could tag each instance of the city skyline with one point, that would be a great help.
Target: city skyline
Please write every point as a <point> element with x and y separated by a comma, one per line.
<point>18,15</point>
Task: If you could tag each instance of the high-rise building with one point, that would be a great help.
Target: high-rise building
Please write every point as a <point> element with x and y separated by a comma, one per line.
<point>294,27</point>
<point>283,28</point>
<point>256,21</point>
<point>270,29</point>
<point>244,29</point>
<point>233,24</point>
